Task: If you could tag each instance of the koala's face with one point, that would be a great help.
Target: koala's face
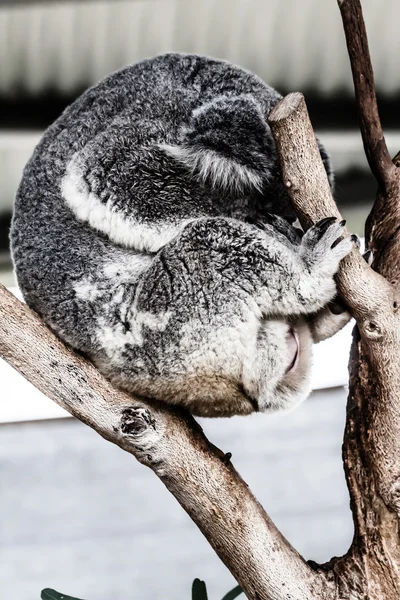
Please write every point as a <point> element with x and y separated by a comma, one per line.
<point>295,385</point>
<point>282,379</point>
<point>274,376</point>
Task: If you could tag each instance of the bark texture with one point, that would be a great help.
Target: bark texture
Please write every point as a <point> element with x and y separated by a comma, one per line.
<point>363,76</point>
<point>173,445</point>
<point>371,449</point>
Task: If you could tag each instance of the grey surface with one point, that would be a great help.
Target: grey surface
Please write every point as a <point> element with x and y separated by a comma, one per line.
<point>82,516</point>
<point>292,45</point>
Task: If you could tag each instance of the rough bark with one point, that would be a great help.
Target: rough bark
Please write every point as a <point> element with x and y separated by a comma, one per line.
<point>371,446</point>
<point>382,228</point>
<point>371,449</point>
<point>173,445</point>
<point>363,77</point>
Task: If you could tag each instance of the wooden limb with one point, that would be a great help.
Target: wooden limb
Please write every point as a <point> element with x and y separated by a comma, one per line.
<point>371,445</point>
<point>383,224</point>
<point>306,182</point>
<point>173,445</point>
<point>363,77</point>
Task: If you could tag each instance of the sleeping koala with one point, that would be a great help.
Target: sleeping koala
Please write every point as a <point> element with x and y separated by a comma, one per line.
<point>152,232</point>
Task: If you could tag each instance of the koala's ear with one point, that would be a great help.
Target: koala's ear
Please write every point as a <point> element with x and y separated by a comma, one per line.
<point>228,144</point>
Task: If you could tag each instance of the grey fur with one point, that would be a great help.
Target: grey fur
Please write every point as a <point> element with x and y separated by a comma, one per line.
<point>142,235</point>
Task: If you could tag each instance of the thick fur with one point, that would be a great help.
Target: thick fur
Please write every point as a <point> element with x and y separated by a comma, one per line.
<point>142,236</point>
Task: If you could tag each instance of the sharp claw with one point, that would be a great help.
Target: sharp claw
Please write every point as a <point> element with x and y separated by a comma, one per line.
<point>368,257</point>
<point>256,223</point>
<point>323,225</point>
<point>270,216</point>
<point>337,306</point>
<point>326,221</point>
<point>356,240</point>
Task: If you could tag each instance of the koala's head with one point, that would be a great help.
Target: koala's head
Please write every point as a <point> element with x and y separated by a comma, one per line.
<point>276,376</point>
<point>280,379</point>
<point>228,146</point>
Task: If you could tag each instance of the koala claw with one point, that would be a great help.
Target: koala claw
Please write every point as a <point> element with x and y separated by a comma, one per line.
<point>256,223</point>
<point>368,256</point>
<point>337,306</point>
<point>323,245</point>
<point>280,225</point>
<point>270,217</point>
<point>356,240</point>
<point>322,226</point>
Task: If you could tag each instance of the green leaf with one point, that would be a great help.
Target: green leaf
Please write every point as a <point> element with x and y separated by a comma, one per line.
<point>199,590</point>
<point>49,594</point>
<point>233,593</point>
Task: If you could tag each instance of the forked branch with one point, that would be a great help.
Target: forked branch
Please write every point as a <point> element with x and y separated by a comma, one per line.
<point>382,230</point>
<point>172,444</point>
<point>169,441</point>
<point>371,448</point>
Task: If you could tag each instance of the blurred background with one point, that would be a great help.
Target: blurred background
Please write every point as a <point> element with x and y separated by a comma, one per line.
<point>76,513</point>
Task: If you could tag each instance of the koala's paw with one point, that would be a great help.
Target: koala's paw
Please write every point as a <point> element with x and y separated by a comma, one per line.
<point>356,240</point>
<point>368,255</point>
<point>275,224</point>
<point>329,320</point>
<point>293,234</point>
<point>323,246</point>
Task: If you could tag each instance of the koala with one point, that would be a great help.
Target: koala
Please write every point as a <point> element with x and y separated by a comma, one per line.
<point>152,233</point>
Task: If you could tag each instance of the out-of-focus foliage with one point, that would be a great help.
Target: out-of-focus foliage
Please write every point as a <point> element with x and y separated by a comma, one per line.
<point>199,592</point>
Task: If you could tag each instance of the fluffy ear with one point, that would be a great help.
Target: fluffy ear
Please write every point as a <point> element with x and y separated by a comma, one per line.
<point>228,144</point>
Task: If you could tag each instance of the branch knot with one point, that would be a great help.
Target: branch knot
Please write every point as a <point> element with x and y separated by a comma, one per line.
<point>135,421</point>
<point>372,330</point>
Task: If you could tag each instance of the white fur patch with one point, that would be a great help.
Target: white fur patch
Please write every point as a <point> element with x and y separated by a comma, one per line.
<point>87,291</point>
<point>126,268</point>
<point>214,168</point>
<point>224,349</point>
<point>113,339</point>
<point>126,231</point>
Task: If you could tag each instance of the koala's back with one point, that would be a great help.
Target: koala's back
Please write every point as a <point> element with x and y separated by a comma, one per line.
<point>102,193</point>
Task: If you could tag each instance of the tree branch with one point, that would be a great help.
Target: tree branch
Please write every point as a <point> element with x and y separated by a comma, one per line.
<point>306,182</point>
<point>363,77</point>
<point>382,231</point>
<point>173,445</point>
<point>371,446</point>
